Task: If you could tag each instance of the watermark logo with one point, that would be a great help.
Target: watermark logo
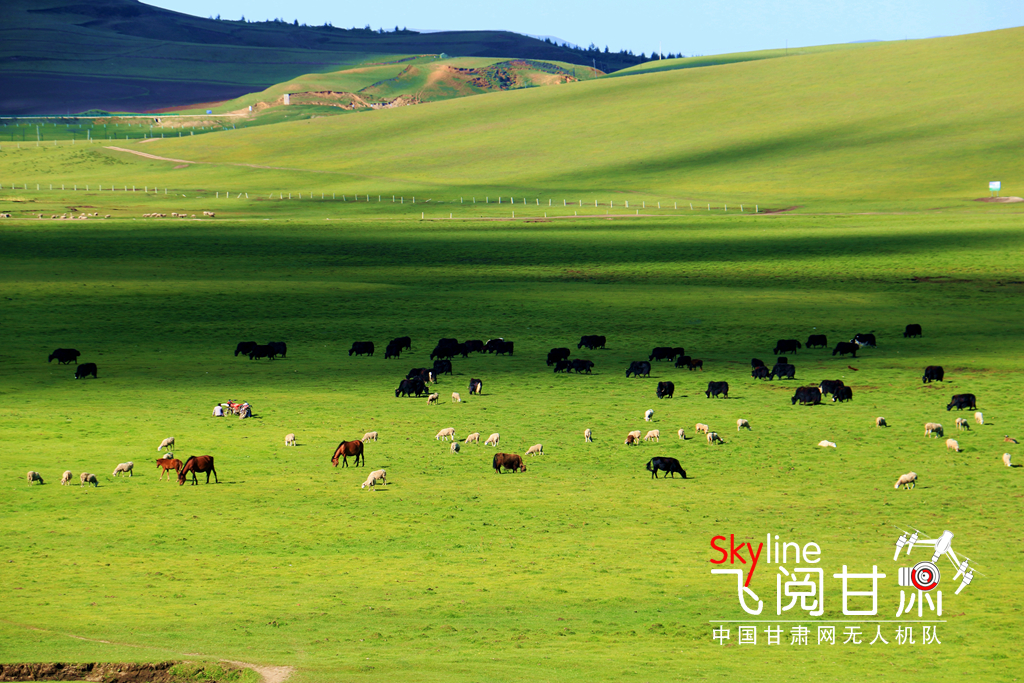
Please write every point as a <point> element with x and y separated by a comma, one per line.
<point>801,588</point>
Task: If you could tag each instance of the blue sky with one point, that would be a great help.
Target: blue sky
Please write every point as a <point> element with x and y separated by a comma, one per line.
<point>641,26</point>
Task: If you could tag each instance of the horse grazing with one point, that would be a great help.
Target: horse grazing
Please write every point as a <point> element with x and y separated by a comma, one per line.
<point>347,448</point>
<point>168,464</point>
<point>202,463</point>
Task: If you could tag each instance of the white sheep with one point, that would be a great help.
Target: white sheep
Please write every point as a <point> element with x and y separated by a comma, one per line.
<point>433,398</point>
<point>1006,459</point>
<point>932,429</point>
<point>34,476</point>
<point>369,436</point>
<point>649,415</point>
<point>588,435</point>
<point>492,440</point>
<point>979,418</point>
<point>713,437</point>
<point>446,434</point>
<point>825,443</point>
<point>535,449</point>
<point>682,434</point>
<point>289,440</point>
<point>653,435</point>
<point>167,443</point>
<point>86,478</point>
<point>635,434</point>
<point>65,480</point>
<point>962,425</point>
<point>456,398</point>
<point>125,467</point>
<point>880,422</point>
<point>455,447</point>
<point>741,424</point>
<point>374,477</point>
<point>907,481</point>
<point>701,428</point>
<point>952,443</point>
<point>473,438</point>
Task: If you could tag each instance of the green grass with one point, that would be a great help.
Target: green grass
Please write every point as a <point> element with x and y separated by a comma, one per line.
<point>887,127</point>
<point>731,58</point>
<point>579,568</point>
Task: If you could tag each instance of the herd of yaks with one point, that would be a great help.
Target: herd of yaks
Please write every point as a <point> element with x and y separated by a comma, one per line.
<point>448,348</point>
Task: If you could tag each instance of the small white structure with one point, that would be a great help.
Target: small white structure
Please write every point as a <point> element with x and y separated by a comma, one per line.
<point>287,98</point>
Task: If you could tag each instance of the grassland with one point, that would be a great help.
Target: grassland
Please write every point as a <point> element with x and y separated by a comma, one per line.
<point>581,567</point>
<point>886,127</point>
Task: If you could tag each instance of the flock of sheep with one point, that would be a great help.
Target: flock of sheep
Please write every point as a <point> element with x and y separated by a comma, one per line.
<point>514,462</point>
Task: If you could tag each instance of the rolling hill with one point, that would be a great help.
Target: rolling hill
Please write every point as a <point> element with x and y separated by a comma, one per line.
<point>59,57</point>
<point>920,124</point>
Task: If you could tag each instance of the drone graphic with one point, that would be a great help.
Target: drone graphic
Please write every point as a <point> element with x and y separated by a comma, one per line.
<point>925,575</point>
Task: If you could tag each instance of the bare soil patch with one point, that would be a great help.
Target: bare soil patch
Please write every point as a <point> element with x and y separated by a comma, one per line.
<point>1000,200</point>
<point>158,672</point>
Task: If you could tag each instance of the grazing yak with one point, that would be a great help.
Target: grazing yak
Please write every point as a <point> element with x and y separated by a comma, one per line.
<point>445,351</point>
<point>263,351</point>
<point>807,396</point>
<point>563,366</point>
<point>683,361</point>
<point>961,401</point>
<point>829,386</point>
<point>476,386</point>
<point>582,365</point>
<point>402,343</point>
<point>758,363</point>
<point>502,347</point>
<point>409,387</point>
<point>665,390</point>
<point>474,345</point>
<point>555,355</point>
<point>717,389</point>
<point>280,348</point>
<point>783,371</point>
<point>694,364</point>
<point>508,461</point>
<point>841,394</point>
<point>786,346</point>
<point>591,341</point>
<point>392,350</point>
<point>913,330</point>
<point>933,373</point>
<point>817,340</point>
<point>667,465</point>
<point>84,370</point>
<point>361,349</point>
<point>662,353</point>
<point>639,368</point>
<point>65,356</point>
<point>424,374</point>
<point>843,348</point>
<point>343,451</point>
<point>863,339</point>
<point>442,367</point>
<point>759,372</point>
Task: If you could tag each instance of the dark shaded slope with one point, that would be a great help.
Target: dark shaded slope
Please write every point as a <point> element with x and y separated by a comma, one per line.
<point>111,51</point>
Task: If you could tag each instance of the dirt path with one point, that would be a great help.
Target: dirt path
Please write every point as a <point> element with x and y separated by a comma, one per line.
<point>270,674</point>
<point>150,156</point>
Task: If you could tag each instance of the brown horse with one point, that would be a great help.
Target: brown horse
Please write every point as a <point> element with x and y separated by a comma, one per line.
<point>168,464</point>
<point>347,448</point>
<point>204,463</point>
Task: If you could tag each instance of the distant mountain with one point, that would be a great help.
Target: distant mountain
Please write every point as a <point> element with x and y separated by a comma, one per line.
<point>67,56</point>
